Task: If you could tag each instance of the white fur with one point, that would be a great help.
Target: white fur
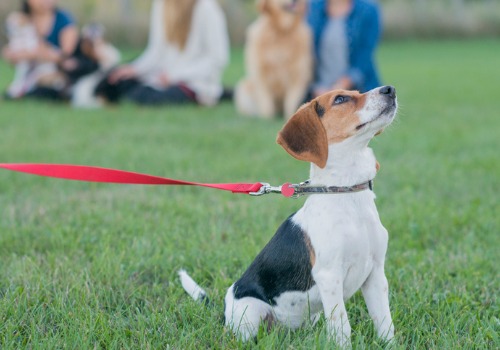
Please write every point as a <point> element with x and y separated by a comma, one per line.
<point>83,91</point>
<point>244,315</point>
<point>190,286</point>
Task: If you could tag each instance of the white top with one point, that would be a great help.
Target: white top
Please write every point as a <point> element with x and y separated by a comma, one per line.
<point>200,65</point>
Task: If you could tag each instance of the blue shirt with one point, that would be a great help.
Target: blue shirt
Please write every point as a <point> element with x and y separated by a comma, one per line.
<point>62,20</point>
<point>332,61</point>
<point>363,29</point>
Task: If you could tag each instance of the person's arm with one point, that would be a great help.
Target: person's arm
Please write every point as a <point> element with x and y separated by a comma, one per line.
<point>68,39</point>
<point>67,36</point>
<point>215,54</point>
<point>362,57</point>
<point>152,55</point>
<point>149,59</point>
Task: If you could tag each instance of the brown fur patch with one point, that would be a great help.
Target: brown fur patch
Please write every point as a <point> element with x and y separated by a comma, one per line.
<point>312,253</point>
<point>340,121</point>
<point>269,321</point>
<point>304,137</point>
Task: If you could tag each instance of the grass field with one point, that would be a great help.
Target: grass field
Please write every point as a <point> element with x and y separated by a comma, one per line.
<point>92,266</point>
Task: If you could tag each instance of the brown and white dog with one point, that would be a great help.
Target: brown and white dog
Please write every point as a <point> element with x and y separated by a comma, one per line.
<point>335,244</point>
<point>278,60</point>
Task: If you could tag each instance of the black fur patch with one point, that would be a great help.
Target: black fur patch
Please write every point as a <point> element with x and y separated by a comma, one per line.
<point>320,110</point>
<point>283,265</point>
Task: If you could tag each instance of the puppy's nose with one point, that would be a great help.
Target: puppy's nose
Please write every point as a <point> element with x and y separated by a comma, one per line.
<point>388,90</point>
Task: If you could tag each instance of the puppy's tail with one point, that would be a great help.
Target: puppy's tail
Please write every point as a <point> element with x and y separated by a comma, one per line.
<point>192,288</point>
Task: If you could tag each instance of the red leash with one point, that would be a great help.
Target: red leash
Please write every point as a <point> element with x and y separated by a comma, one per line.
<point>104,175</point>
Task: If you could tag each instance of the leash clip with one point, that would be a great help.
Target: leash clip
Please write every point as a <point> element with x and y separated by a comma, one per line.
<point>298,189</point>
<point>266,189</point>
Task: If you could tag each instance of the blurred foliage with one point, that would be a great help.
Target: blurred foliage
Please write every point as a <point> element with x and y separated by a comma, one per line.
<point>127,20</point>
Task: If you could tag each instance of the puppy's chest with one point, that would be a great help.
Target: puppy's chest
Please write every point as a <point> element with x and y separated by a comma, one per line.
<point>344,232</point>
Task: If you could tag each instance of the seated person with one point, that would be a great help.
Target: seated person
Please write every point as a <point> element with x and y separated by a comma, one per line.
<point>346,34</point>
<point>40,37</point>
<point>187,51</point>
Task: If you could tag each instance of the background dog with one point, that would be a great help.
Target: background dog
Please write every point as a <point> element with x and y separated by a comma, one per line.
<point>93,59</point>
<point>278,60</point>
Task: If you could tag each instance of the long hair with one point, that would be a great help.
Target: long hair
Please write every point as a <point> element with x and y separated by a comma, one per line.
<point>25,7</point>
<point>177,17</point>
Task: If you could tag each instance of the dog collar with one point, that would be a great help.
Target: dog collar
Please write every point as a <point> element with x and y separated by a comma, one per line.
<point>305,188</point>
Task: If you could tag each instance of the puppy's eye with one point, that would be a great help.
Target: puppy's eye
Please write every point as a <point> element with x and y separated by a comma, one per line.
<point>340,99</point>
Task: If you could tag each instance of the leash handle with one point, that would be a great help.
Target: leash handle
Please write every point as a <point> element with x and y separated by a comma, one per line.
<point>105,175</point>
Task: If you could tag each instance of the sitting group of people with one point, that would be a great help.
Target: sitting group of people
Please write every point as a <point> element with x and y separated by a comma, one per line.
<point>187,52</point>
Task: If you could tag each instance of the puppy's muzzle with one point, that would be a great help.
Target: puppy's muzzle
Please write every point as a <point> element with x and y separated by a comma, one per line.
<point>389,91</point>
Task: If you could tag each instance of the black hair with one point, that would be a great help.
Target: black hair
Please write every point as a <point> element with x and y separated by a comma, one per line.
<point>25,7</point>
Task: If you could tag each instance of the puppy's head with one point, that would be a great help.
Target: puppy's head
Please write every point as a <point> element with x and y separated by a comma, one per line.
<point>282,8</point>
<point>336,117</point>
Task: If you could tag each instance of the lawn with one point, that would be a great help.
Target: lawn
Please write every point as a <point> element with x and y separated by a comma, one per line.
<point>94,266</point>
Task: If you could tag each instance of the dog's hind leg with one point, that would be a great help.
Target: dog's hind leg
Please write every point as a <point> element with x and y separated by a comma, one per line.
<point>243,99</point>
<point>265,102</point>
<point>252,100</point>
<point>243,316</point>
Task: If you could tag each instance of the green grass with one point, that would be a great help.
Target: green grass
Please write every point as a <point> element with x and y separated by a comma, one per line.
<point>94,266</point>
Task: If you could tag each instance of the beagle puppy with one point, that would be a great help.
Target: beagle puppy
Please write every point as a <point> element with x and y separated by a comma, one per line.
<point>335,244</point>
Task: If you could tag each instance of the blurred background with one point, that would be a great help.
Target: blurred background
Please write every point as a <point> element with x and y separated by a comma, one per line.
<point>401,18</point>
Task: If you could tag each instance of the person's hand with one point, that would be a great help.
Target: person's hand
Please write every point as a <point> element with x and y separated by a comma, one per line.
<point>122,73</point>
<point>163,79</point>
<point>69,64</point>
<point>344,83</point>
<point>15,56</point>
<point>7,54</point>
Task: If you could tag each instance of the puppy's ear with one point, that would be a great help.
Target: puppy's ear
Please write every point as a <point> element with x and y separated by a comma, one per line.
<point>304,136</point>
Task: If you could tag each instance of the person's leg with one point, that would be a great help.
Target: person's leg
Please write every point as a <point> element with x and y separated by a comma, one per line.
<point>114,92</point>
<point>46,93</point>
<point>176,94</point>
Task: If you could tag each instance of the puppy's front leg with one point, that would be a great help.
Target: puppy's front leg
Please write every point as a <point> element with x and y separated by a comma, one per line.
<point>332,296</point>
<point>376,294</point>
<point>293,99</point>
<point>265,102</point>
